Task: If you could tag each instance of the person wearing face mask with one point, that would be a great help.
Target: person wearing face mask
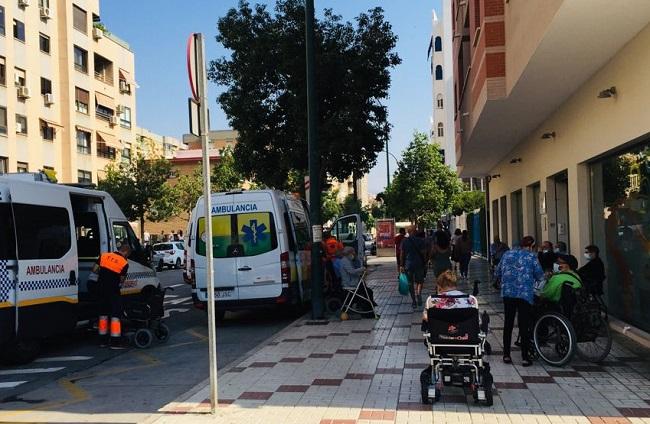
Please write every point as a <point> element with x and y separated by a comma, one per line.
<point>560,248</point>
<point>519,271</point>
<point>564,272</point>
<point>593,272</point>
<point>349,274</point>
<point>546,256</point>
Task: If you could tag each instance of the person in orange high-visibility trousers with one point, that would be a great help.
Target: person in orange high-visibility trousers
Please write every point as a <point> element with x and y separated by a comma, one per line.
<point>112,268</point>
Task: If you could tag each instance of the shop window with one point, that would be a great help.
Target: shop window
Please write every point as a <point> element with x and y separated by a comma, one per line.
<point>22,167</point>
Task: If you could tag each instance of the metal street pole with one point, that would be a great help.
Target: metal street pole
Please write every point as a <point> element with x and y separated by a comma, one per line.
<point>204,132</point>
<point>314,168</point>
<point>387,166</point>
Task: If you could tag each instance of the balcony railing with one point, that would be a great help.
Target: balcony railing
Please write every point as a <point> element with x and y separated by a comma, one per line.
<point>104,77</point>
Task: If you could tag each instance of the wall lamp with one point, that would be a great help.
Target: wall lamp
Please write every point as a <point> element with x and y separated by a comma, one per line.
<point>492,177</point>
<point>607,93</point>
<point>548,135</point>
<point>515,160</point>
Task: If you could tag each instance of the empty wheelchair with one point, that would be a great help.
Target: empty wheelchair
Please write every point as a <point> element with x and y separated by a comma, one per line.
<point>456,345</point>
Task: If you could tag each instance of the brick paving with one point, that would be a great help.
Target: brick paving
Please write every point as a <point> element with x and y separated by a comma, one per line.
<point>367,372</point>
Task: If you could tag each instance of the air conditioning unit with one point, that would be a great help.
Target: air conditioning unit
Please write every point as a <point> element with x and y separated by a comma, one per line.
<point>45,13</point>
<point>19,127</point>
<point>119,109</point>
<point>48,98</point>
<point>23,3</point>
<point>98,33</point>
<point>23,92</point>
<point>112,121</point>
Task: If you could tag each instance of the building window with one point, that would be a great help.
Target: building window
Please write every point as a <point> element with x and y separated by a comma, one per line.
<point>438,44</point>
<point>19,30</point>
<point>46,86</point>
<point>21,124</point>
<point>81,99</point>
<point>2,20</point>
<point>83,142</point>
<point>4,165</point>
<point>84,177</point>
<point>3,120</point>
<point>3,71</point>
<point>125,117</point>
<point>47,131</point>
<point>79,19</point>
<point>103,69</point>
<point>80,59</point>
<point>105,151</point>
<point>438,72</point>
<point>441,130</point>
<point>20,77</point>
<point>22,167</point>
<point>44,43</point>
<point>126,154</point>
<point>125,87</point>
<point>439,101</point>
<point>103,112</point>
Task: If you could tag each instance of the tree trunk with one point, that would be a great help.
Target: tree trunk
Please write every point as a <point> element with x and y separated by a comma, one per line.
<point>354,186</point>
<point>142,229</point>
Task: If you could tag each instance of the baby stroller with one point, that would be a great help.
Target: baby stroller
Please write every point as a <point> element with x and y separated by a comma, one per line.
<point>145,317</point>
<point>456,345</point>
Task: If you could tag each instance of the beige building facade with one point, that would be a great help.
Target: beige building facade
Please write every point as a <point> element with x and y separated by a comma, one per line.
<point>561,131</point>
<point>150,144</point>
<point>67,90</point>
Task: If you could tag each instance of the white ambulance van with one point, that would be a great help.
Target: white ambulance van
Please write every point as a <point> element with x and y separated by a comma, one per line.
<point>50,237</point>
<point>261,248</point>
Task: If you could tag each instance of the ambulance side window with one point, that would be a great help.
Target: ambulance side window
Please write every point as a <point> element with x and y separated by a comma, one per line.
<point>7,239</point>
<point>43,232</point>
<point>123,233</point>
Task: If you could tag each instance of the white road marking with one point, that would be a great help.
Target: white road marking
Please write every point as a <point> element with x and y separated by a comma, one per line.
<point>168,311</point>
<point>177,285</point>
<point>177,301</point>
<point>169,296</point>
<point>63,358</point>
<point>10,384</point>
<point>30,371</point>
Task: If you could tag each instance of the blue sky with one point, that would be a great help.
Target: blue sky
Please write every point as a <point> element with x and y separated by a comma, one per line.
<point>157,32</point>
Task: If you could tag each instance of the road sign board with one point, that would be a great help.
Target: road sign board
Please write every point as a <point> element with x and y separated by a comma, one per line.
<point>192,65</point>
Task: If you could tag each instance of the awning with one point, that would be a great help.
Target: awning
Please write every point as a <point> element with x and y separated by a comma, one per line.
<point>49,123</point>
<point>126,76</point>
<point>104,100</point>
<point>109,140</point>
<point>84,129</point>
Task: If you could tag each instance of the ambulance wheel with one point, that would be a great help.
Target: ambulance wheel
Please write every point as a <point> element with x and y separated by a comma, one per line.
<point>22,352</point>
<point>142,338</point>
<point>178,263</point>
<point>162,332</point>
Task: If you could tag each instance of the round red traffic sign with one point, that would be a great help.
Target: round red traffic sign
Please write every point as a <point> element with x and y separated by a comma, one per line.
<point>192,59</point>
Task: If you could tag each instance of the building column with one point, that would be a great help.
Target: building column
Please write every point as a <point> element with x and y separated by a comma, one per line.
<point>546,221</point>
<point>527,211</point>
<point>579,209</point>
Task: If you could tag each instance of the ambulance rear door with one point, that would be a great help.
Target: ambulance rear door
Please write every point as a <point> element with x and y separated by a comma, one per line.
<point>8,266</point>
<point>47,288</point>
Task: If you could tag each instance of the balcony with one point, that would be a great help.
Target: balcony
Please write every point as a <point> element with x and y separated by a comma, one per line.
<point>104,70</point>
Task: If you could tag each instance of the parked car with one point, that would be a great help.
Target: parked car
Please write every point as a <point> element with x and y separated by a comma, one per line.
<point>170,254</point>
<point>370,244</point>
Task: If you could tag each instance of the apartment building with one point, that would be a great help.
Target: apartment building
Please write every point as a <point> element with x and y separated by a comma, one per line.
<point>67,89</point>
<point>551,109</point>
<point>150,144</point>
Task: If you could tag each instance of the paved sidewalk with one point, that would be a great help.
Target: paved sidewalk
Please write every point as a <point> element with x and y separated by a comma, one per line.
<point>367,371</point>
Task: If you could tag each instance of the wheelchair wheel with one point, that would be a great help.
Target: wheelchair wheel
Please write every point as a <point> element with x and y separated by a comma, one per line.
<point>143,338</point>
<point>333,304</point>
<point>595,340</point>
<point>554,339</point>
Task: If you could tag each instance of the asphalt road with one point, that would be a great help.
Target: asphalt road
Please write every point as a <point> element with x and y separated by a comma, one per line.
<point>75,376</point>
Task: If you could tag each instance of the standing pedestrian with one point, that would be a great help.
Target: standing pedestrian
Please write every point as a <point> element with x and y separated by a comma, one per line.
<point>455,240</point>
<point>464,254</point>
<point>546,257</point>
<point>440,255</point>
<point>111,268</point>
<point>518,271</point>
<point>593,273</point>
<point>413,263</point>
<point>398,246</point>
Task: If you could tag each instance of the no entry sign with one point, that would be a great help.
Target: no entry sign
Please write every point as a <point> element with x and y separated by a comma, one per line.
<point>192,65</point>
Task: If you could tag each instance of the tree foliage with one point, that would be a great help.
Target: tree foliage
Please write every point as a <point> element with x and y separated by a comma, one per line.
<point>423,187</point>
<point>225,175</point>
<point>187,190</point>
<point>352,205</point>
<point>467,201</point>
<point>265,97</point>
<point>330,207</point>
<point>140,189</point>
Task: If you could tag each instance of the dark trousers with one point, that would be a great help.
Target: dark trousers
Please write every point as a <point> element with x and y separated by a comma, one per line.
<point>464,263</point>
<point>521,308</point>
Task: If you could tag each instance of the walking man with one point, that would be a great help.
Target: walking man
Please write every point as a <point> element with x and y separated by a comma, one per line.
<point>112,268</point>
<point>412,262</point>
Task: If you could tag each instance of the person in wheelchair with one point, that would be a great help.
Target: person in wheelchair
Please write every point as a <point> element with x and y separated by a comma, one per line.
<point>455,343</point>
<point>564,272</point>
<point>350,275</point>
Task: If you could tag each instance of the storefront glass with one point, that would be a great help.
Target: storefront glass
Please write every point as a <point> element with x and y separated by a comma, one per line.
<point>621,229</point>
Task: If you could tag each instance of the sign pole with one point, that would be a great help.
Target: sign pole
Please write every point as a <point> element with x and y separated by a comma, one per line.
<point>314,168</point>
<point>202,84</point>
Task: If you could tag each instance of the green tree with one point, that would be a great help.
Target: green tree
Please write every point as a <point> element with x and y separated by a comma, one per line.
<point>352,205</point>
<point>423,187</point>
<point>265,96</point>
<point>330,207</point>
<point>467,201</point>
<point>225,176</point>
<point>140,189</point>
<point>187,190</point>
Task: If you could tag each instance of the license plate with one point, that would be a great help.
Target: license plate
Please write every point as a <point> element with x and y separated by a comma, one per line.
<point>221,294</point>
